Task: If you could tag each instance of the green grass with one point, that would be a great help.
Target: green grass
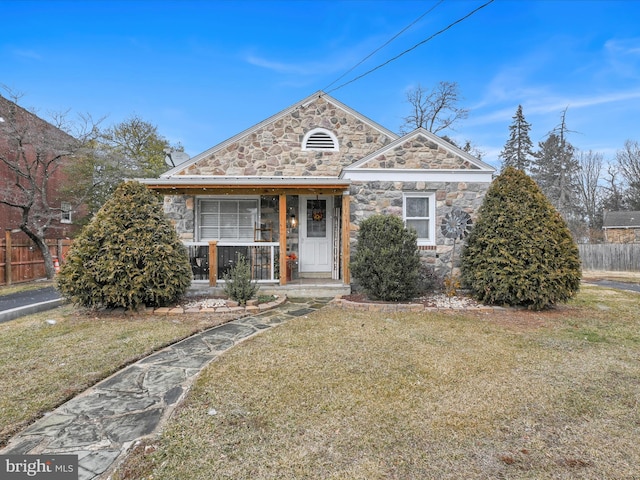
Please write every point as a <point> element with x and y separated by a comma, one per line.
<point>349,395</point>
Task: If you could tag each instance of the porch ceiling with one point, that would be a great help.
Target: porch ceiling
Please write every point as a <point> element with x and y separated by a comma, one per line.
<point>248,185</point>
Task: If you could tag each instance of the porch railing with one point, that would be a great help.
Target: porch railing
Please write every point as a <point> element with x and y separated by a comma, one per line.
<point>263,257</point>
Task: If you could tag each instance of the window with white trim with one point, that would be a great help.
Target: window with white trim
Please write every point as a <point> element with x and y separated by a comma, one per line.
<point>418,212</point>
<point>320,139</point>
<point>227,219</point>
<point>65,213</point>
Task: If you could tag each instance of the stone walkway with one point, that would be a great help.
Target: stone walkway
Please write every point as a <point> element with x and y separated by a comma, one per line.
<point>101,424</point>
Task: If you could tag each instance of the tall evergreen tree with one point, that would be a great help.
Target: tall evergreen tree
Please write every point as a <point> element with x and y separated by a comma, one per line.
<point>520,251</point>
<point>555,170</point>
<point>518,150</point>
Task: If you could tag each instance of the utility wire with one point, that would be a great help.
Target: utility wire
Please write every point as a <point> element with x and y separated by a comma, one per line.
<point>412,48</point>
<point>381,47</point>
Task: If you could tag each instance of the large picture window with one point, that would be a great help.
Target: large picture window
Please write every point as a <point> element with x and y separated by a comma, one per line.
<point>227,219</point>
<point>419,214</point>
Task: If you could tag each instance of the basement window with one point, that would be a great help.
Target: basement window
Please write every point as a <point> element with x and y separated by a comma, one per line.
<point>320,139</point>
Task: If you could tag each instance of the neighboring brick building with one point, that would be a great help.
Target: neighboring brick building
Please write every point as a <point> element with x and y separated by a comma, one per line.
<point>301,182</point>
<point>621,227</point>
<point>41,142</point>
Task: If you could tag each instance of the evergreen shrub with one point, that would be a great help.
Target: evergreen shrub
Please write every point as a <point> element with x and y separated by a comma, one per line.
<point>238,285</point>
<point>520,251</point>
<point>128,256</point>
<point>429,280</point>
<point>386,259</point>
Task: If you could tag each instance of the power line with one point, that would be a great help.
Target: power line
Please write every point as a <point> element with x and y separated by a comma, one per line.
<point>381,47</point>
<point>412,48</point>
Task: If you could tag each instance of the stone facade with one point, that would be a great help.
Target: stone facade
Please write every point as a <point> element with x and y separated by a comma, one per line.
<point>623,235</point>
<point>275,149</point>
<point>417,153</point>
<point>371,198</point>
<point>380,166</point>
<point>420,153</point>
<point>181,213</point>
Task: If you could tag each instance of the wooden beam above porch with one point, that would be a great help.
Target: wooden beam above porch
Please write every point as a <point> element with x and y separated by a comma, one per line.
<point>248,185</point>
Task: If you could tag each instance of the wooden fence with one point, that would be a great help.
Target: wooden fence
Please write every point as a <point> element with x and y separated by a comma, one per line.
<point>21,261</point>
<point>617,257</point>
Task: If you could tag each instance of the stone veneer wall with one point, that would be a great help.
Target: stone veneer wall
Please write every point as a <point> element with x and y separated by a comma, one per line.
<point>420,153</point>
<point>371,198</point>
<point>181,213</point>
<point>623,235</point>
<point>276,148</point>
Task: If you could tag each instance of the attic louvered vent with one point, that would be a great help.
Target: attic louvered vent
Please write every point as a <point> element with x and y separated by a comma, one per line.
<point>320,139</point>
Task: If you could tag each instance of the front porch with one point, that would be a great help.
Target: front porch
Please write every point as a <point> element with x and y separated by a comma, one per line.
<point>294,232</point>
<point>264,260</point>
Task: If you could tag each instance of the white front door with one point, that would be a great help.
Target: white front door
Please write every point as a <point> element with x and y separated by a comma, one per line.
<point>315,234</point>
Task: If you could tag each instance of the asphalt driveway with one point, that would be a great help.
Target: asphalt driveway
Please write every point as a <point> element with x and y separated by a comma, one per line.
<point>18,304</point>
<point>634,287</point>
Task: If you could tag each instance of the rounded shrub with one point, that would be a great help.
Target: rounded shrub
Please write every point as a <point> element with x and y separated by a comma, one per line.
<point>386,259</point>
<point>520,251</point>
<point>128,256</point>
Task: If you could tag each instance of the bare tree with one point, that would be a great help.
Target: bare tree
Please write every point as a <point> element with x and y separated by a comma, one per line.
<point>590,192</point>
<point>32,153</point>
<point>629,164</point>
<point>434,110</point>
<point>613,194</point>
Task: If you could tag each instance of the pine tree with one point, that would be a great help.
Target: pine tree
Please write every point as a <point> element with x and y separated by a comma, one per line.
<point>520,251</point>
<point>555,169</point>
<point>518,150</point>
<point>128,256</point>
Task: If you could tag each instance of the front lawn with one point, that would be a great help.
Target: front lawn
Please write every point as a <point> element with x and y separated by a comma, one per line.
<point>52,356</point>
<point>362,395</point>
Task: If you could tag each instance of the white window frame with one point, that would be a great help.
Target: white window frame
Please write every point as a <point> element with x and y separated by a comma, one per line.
<point>198,216</point>
<point>431,218</point>
<point>66,213</point>
<point>305,140</point>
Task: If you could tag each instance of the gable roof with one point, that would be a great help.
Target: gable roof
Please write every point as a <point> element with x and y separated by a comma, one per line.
<point>419,154</point>
<point>629,219</point>
<point>274,118</point>
<point>430,137</point>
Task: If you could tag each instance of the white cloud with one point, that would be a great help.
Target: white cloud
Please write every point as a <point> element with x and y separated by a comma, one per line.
<point>628,46</point>
<point>623,58</point>
<point>28,54</point>
<point>281,67</point>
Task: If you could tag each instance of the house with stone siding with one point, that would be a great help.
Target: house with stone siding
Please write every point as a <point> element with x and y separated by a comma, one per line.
<point>621,227</point>
<point>289,194</point>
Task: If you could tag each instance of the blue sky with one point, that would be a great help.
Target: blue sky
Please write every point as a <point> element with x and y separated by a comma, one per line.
<point>202,71</point>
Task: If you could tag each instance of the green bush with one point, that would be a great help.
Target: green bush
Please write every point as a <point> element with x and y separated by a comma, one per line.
<point>520,251</point>
<point>128,256</point>
<point>238,285</point>
<point>386,259</point>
